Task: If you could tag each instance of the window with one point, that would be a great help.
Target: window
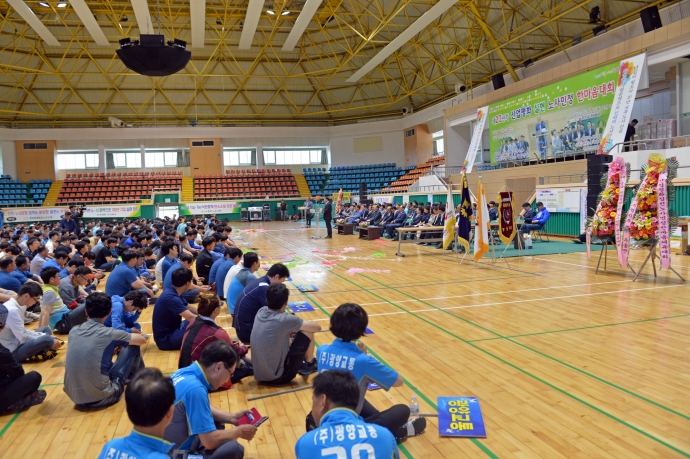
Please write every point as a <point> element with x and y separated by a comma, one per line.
<point>438,142</point>
<point>288,157</point>
<point>127,160</point>
<point>72,161</point>
<point>161,159</point>
<point>409,133</point>
<point>238,157</point>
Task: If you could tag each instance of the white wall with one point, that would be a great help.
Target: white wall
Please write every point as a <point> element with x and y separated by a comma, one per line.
<point>637,159</point>
<point>9,158</point>
<point>393,146</point>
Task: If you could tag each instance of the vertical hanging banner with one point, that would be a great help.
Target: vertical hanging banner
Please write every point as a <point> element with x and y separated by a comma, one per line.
<point>629,76</point>
<point>460,417</point>
<point>476,143</point>
<point>506,217</point>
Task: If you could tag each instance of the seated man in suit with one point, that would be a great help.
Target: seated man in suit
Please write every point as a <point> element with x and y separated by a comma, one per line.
<point>398,220</point>
<point>374,217</point>
<point>538,221</point>
<point>417,220</point>
<point>387,216</point>
<point>357,216</point>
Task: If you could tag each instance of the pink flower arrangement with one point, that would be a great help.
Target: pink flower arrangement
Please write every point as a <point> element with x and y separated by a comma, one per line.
<point>604,220</point>
<point>645,224</point>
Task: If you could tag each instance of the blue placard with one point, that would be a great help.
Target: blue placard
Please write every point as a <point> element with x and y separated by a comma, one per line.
<point>307,288</point>
<point>373,386</point>
<point>368,331</point>
<point>300,306</point>
<point>460,417</point>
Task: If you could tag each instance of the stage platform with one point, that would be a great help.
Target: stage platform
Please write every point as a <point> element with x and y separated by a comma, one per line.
<point>565,363</point>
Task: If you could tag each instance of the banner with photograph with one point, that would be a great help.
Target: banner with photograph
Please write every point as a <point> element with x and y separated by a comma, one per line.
<point>112,211</point>
<point>33,214</point>
<point>476,142</point>
<point>347,197</point>
<point>563,118</point>
<point>207,208</point>
<point>629,76</point>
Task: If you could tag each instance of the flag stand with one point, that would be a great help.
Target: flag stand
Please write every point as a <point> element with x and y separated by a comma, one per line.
<point>520,241</point>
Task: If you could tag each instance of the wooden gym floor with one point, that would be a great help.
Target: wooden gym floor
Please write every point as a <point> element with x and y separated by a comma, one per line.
<point>566,363</point>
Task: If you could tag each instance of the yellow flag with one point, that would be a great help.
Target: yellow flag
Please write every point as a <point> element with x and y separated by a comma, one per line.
<point>481,227</point>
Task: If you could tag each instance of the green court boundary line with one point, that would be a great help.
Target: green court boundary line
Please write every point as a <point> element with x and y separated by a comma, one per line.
<point>564,392</point>
<point>581,328</point>
<point>9,423</point>
<point>414,388</point>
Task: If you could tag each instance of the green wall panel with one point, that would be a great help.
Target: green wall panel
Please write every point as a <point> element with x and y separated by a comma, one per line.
<point>161,198</point>
<point>565,223</point>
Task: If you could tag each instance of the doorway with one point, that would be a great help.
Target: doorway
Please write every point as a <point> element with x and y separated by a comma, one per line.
<point>167,211</point>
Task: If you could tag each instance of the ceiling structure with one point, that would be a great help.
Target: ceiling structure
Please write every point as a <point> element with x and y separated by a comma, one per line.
<point>271,62</point>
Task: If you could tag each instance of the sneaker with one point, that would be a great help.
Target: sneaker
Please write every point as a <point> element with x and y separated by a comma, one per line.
<point>34,398</point>
<point>32,316</point>
<point>411,428</point>
<point>43,356</point>
<point>308,368</point>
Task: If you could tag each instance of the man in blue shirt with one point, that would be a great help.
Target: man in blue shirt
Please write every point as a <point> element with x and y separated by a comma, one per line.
<point>7,280</point>
<point>233,256</point>
<point>538,221</point>
<point>150,399</point>
<point>196,425</point>
<point>22,273</point>
<point>191,295</point>
<point>69,224</point>
<point>171,308</point>
<point>126,310</point>
<point>133,237</point>
<point>124,278</point>
<point>250,265</point>
<point>170,252</point>
<point>253,298</point>
<point>341,432</point>
<point>348,323</point>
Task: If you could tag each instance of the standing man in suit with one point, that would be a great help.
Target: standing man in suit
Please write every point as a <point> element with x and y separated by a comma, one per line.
<point>328,216</point>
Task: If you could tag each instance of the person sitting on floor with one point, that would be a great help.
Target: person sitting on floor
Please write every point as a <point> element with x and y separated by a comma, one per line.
<point>170,258</point>
<point>538,221</point>
<point>192,294</point>
<point>171,308</point>
<point>33,345</point>
<point>253,298</point>
<point>18,390</point>
<point>334,402</point>
<point>234,288</point>
<point>91,379</point>
<point>21,271</point>
<point>150,401</point>
<point>54,312</point>
<point>7,280</point>
<point>282,343</point>
<point>233,257</point>
<point>124,278</point>
<point>71,288</point>
<point>204,331</point>
<point>349,323</point>
<point>204,260</point>
<point>39,259</point>
<point>126,310</point>
<point>197,426</point>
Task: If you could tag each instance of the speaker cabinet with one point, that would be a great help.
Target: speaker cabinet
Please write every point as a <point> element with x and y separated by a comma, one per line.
<point>362,191</point>
<point>651,19</point>
<point>597,166</point>
<point>498,81</point>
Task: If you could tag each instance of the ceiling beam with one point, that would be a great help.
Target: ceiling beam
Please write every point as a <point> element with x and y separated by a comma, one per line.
<point>81,8</point>
<point>489,34</point>
<point>198,19</point>
<point>251,21</point>
<point>301,24</point>
<point>141,11</point>
<point>25,12</point>
<point>417,26</point>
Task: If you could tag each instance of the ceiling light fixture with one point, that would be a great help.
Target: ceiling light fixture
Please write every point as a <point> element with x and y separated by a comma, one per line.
<point>44,4</point>
<point>61,5</point>
<point>284,13</point>
<point>271,12</point>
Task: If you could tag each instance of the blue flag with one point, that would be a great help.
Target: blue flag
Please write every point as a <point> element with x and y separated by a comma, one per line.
<point>464,216</point>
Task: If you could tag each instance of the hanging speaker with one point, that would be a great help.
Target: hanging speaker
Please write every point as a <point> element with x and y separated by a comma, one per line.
<point>498,81</point>
<point>362,191</point>
<point>651,19</point>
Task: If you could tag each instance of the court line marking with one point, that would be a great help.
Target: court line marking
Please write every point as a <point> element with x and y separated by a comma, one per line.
<point>584,328</point>
<point>574,397</point>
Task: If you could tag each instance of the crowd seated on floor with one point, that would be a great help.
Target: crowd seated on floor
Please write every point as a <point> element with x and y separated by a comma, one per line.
<point>92,281</point>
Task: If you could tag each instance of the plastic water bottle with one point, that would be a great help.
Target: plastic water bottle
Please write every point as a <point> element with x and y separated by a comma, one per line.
<point>528,241</point>
<point>414,406</point>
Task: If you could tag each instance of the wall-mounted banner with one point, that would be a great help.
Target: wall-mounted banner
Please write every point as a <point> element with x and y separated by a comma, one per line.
<point>347,197</point>
<point>214,207</point>
<point>383,199</point>
<point>33,214</point>
<point>629,77</point>
<point>558,119</point>
<point>112,211</point>
<point>460,417</point>
<point>476,142</point>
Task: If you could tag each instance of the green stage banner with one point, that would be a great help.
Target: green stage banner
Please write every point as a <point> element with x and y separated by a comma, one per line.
<point>214,207</point>
<point>112,211</point>
<point>562,118</point>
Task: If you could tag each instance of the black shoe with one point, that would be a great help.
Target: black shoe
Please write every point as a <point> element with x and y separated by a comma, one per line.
<point>411,428</point>
<point>308,367</point>
<point>329,237</point>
